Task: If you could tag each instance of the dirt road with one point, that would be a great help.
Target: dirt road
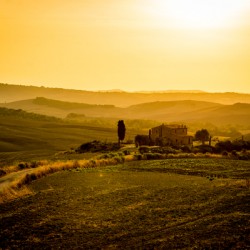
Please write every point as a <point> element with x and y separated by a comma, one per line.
<point>6,180</point>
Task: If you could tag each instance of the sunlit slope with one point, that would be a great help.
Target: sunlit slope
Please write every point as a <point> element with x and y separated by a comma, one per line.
<point>174,110</point>
<point>11,93</point>
<point>62,109</point>
<point>194,111</point>
<point>171,111</point>
<point>29,135</point>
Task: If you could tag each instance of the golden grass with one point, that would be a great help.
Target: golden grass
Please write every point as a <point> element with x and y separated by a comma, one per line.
<point>11,193</point>
<point>14,168</point>
<point>18,187</point>
<point>10,169</point>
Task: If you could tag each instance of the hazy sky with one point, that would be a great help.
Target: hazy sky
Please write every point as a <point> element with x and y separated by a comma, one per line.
<point>126,44</point>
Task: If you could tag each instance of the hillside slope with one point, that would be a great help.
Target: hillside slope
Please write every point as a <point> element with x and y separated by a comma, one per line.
<point>171,111</point>
<point>61,109</point>
<point>30,136</point>
<point>11,93</point>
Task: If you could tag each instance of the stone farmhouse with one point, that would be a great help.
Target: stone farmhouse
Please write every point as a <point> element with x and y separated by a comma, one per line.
<point>174,135</point>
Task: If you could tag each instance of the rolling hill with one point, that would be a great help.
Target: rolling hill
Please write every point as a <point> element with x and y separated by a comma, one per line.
<point>32,136</point>
<point>171,111</point>
<point>11,93</point>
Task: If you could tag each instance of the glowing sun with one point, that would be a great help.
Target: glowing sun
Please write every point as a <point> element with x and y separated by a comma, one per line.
<point>197,13</point>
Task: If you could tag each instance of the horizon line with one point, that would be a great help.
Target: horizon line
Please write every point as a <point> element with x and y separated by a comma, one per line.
<point>191,91</point>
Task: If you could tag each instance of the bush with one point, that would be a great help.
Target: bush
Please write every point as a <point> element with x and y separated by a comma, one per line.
<point>2,172</point>
<point>186,149</point>
<point>170,156</point>
<point>35,164</point>
<point>230,146</point>
<point>119,159</point>
<point>163,150</point>
<point>33,177</point>
<point>144,149</point>
<point>225,153</point>
<point>224,146</point>
<point>234,153</point>
<point>97,146</point>
<point>244,157</point>
<point>126,152</point>
<point>206,149</point>
<point>138,157</point>
<point>191,155</point>
<point>76,164</point>
<point>103,156</point>
<point>195,150</point>
<point>142,140</point>
<point>153,156</point>
<point>23,165</point>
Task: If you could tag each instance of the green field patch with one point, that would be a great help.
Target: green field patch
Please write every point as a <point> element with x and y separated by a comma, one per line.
<point>217,168</point>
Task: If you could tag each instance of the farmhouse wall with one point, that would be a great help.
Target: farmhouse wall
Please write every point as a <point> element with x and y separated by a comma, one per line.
<point>171,134</point>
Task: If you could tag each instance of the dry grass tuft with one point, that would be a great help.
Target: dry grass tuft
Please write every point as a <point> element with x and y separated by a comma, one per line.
<point>18,187</point>
<point>10,169</point>
<point>12,193</point>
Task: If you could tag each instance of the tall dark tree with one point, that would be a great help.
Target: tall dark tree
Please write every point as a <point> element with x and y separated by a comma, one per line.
<point>202,135</point>
<point>121,131</point>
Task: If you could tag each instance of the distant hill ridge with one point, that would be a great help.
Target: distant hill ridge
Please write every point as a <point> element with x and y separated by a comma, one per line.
<point>19,113</point>
<point>11,93</point>
<point>166,111</point>
<point>66,105</point>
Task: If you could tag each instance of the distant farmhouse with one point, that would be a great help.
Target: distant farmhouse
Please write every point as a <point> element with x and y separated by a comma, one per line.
<point>174,135</point>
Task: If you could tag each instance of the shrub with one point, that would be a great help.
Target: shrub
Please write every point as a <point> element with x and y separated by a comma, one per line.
<point>153,156</point>
<point>195,150</point>
<point>138,157</point>
<point>92,163</point>
<point>191,155</point>
<point>144,149</point>
<point>76,164</point>
<point>163,150</point>
<point>142,140</point>
<point>2,172</point>
<point>170,156</point>
<point>126,152</point>
<point>33,176</point>
<point>103,156</point>
<point>120,154</point>
<point>234,153</point>
<point>23,165</point>
<point>35,164</point>
<point>205,149</point>
<point>119,159</point>
<point>224,146</point>
<point>225,153</point>
<point>244,157</point>
<point>186,149</point>
<point>208,155</point>
<point>97,146</point>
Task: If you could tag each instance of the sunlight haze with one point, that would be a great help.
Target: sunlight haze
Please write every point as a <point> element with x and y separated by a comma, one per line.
<point>134,45</point>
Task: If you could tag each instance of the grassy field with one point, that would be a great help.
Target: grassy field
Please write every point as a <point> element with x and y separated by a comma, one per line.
<point>163,204</point>
<point>24,139</point>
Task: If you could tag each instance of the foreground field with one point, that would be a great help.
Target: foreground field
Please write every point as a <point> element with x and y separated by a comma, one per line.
<point>169,204</point>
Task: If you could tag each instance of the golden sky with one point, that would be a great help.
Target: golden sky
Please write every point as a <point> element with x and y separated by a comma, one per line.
<point>126,44</point>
